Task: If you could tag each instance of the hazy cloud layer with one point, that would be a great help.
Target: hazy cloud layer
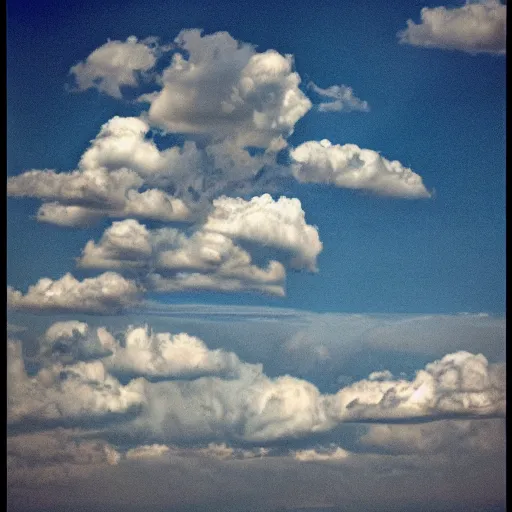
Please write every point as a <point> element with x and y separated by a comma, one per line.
<point>349,166</point>
<point>476,27</point>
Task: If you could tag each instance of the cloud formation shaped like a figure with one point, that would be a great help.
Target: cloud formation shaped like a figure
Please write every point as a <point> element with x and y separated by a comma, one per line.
<point>349,166</point>
<point>476,27</point>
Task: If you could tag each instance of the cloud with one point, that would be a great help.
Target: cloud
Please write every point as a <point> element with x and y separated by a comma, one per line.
<point>218,86</point>
<point>476,27</point>
<point>459,384</point>
<point>116,64</point>
<point>147,452</point>
<point>445,437</point>
<point>338,454</point>
<point>79,392</point>
<point>279,224</point>
<point>344,99</point>
<point>205,260</point>
<point>106,293</point>
<point>54,457</point>
<point>349,166</point>
<point>124,174</point>
<point>149,354</point>
<point>256,408</point>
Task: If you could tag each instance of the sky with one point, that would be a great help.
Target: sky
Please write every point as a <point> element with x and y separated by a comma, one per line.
<point>256,255</point>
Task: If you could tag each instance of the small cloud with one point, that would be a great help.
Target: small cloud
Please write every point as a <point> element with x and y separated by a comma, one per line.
<point>476,27</point>
<point>344,99</point>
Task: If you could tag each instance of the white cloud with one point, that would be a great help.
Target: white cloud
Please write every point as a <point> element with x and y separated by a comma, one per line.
<point>116,173</point>
<point>337,454</point>
<point>190,281</point>
<point>116,64</point>
<point>279,224</point>
<point>476,27</point>
<point>106,293</point>
<point>349,166</point>
<point>223,88</point>
<point>150,354</point>
<point>125,244</point>
<point>148,452</point>
<point>58,392</point>
<point>344,99</point>
<point>459,384</point>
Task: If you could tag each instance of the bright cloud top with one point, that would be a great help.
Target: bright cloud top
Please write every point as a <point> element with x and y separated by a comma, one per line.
<point>349,166</point>
<point>280,224</point>
<point>116,64</point>
<point>343,99</point>
<point>476,27</point>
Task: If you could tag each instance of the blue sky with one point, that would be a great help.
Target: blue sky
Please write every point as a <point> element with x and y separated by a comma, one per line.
<point>348,329</point>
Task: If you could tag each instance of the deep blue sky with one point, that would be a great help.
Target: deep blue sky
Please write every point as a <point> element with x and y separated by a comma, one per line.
<point>440,112</point>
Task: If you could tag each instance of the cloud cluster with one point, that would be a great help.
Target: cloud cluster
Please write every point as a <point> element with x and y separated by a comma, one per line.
<point>349,166</point>
<point>236,106</point>
<point>224,397</point>
<point>109,292</point>
<point>116,64</point>
<point>223,88</point>
<point>343,99</point>
<point>78,392</point>
<point>171,261</point>
<point>476,27</point>
<point>108,181</point>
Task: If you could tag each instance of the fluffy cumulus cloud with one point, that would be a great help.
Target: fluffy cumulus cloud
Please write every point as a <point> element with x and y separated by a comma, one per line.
<point>109,292</point>
<point>254,407</point>
<point>349,166</point>
<point>116,64</point>
<point>150,354</point>
<point>76,392</point>
<point>279,224</point>
<point>205,260</point>
<point>476,27</point>
<point>108,181</point>
<point>177,390</point>
<point>458,384</point>
<point>342,99</point>
<point>221,87</point>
